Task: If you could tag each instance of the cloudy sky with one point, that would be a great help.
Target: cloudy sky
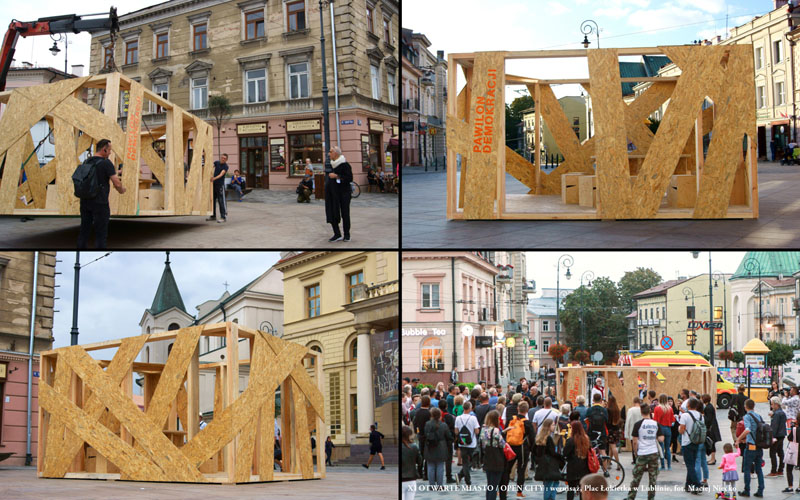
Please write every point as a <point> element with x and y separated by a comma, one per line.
<point>471,26</point>
<point>115,290</point>
<point>541,266</point>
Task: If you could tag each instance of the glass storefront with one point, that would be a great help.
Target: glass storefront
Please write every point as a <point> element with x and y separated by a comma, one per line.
<point>252,155</point>
<point>302,146</point>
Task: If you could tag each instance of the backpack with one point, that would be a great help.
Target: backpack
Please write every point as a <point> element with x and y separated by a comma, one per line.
<point>733,413</point>
<point>516,431</point>
<point>85,181</point>
<point>432,435</point>
<point>592,461</point>
<point>763,436</point>
<point>698,433</point>
<point>464,436</point>
<point>597,423</point>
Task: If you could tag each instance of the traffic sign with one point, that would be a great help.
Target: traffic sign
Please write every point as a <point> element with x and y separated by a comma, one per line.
<point>666,342</point>
<point>597,356</point>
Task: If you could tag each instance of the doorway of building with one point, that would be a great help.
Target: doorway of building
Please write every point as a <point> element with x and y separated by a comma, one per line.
<point>762,142</point>
<point>253,154</point>
<point>375,152</point>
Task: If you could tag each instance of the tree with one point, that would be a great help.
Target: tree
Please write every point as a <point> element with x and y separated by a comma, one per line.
<point>514,117</point>
<point>605,326</point>
<point>634,282</point>
<point>219,107</point>
<point>738,358</point>
<point>779,355</point>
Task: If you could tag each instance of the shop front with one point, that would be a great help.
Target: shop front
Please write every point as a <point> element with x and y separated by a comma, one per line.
<point>305,142</point>
<point>428,353</point>
<point>253,153</point>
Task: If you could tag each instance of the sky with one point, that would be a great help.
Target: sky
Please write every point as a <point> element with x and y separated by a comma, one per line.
<point>115,290</point>
<point>472,26</point>
<point>36,49</point>
<point>541,266</point>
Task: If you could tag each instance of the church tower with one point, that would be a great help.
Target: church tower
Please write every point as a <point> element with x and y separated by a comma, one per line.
<point>166,313</point>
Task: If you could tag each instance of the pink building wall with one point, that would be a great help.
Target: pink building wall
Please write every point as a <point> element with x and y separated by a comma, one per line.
<point>13,433</point>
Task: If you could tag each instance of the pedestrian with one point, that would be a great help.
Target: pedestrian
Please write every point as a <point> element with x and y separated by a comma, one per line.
<point>597,421</point>
<point>414,384</point>
<point>736,410</point>
<point>576,453</point>
<point>689,420</point>
<point>458,405</point>
<point>238,184</point>
<point>791,457</point>
<point>652,400</point>
<point>664,416</point>
<point>549,462</point>
<point>306,187</point>
<point>420,420</point>
<point>674,429</point>
<point>753,454</point>
<point>712,428</point>
<point>594,487</point>
<point>494,462</point>
<point>450,420</point>
<point>580,407</point>
<point>774,390</point>
<point>728,466</point>
<point>519,434</point>
<point>95,212</point>
<point>778,425</point>
<point>375,447</point>
<point>511,408</point>
<point>543,414</point>
<point>634,415</point>
<point>492,396</point>
<point>337,195</point>
<point>411,460</point>
<point>329,446</point>
<point>598,388</point>
<point>562,427</point>
<point>218,182</point>
<point>467,429</point>
<point>791,405</point>
<point>451,395</point>
<point>436,437</point>
<point>701,463</point>
<point>202,424</point>
<point>614,426</point>
<point>483,408</point>
<point>647,437</point>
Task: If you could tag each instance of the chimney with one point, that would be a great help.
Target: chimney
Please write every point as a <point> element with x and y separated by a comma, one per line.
<point>77,69</point>
<point>779,3</point>
<point>440,55</point>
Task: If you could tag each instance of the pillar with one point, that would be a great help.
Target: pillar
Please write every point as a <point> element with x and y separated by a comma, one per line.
<point>364,395</point>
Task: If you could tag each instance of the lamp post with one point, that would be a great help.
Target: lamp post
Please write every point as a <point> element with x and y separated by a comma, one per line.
<point>567,260</point>
<point>749,265</point>
<point>587,29</point>
<point>687,291</point>
<point>589,276</point>
<point>326,126</point>
<point>710,309</point>
<point>717,277</point>
<point>74,331</point>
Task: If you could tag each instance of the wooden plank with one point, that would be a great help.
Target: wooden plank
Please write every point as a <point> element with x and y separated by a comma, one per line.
<point>174,155</point>
<point>91,122</point>
<point>181,408</point>
<point>111,106</point>
<point>266,446</point>
<point>302,437</point>
<point>322,429</point>
<point>127,390</point>
<point>287,429</point>
<point>247,439</point>
<point>232,391</point>
<point>36,178</point>
<point>304,383</point>
<point>11,176</point>
<point>537,144</point>
<point>635,113</point>
<point>196,171</point>
<point>130,170</point>
<point>57,436</point>
<point>161,451</point>
<point>219,407</point>
<point>43,424</point>
<point>67,159</point>
<point>193,394</point>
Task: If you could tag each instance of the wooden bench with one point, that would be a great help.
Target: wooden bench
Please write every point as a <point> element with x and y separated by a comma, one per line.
<point>682,191</point>
<point>587,191</point>
<point>569,187</point>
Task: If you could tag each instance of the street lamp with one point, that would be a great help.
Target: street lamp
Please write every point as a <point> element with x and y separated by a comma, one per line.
<point>749,265</point>
<point>710,309</point>
<point>587,29</point>
<point>326,126</point>
<point>589,276</point>
<point>721,276</point>
<point>74,331</point>
<point>567,260</point>
<point>687,291</point>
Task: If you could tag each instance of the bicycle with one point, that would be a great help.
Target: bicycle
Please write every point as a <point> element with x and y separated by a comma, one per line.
<point>355,190</point>
<point>615,476</point>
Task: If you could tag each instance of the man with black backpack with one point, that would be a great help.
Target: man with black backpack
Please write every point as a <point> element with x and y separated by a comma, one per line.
<point>758,435</point>
<point>736,410</point>
<point>450,420</point>
<point>91,180</point>
<point>693,432</point>
<point>467,429</point>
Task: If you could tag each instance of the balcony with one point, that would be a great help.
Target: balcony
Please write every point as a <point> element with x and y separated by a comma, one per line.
<point>426,81</point>
<point>486,316</point>
<point>411,105</point>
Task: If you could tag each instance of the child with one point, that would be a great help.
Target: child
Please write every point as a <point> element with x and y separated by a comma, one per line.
<point>729,473</point>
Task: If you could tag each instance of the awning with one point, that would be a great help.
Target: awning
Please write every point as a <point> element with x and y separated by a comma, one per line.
<point>780,122</point>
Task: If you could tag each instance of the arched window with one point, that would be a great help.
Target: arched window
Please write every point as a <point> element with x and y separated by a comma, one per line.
<point>173,326</point>
<point>432,354</point>
<point>148,330</point>
<point>315,348</point>
<point>354,349</point>
<point>147,352</point>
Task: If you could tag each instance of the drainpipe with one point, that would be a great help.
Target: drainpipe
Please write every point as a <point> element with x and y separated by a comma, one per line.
<point>335,78</point>
<point>453,283</point>
<point>28,457</point>
<point>794,105</point>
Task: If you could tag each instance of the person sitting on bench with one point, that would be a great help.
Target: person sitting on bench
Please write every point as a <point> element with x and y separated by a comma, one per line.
<point>373,180</point>
<point>238,183</point>
<point>306,187</point>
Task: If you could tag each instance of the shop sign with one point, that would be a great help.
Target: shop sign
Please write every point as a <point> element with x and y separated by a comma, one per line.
<point>422,332</point>
<point>301,125</point>
<point>347,122</point>
<point>376,125</point>
<point>698,325</point>
<point>408,127</point>
<point>251,128</point>
<point>396,130</point>
<point>483,341</point>
<point>3,371</point>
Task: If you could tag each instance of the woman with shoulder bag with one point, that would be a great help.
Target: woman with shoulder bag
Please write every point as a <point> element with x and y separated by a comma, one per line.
<point>494,460</point>
<point>411,459</point>
<point>791,457</point>
<point>549,462</point>
<point>576,453</point>
<point>437,434</point>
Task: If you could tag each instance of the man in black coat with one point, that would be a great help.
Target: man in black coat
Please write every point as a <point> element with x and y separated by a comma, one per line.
<point>450,420</point>
<point>337,194</point>
<point>96,212</point>
<point>421,417</point>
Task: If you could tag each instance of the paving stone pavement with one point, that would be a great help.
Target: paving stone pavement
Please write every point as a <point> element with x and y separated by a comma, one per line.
<point>669,483</point>
<point>778,225</point>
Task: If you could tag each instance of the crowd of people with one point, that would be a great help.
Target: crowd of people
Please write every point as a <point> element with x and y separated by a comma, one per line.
<point>519,431</point>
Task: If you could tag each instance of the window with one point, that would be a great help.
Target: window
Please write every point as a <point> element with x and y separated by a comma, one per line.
<point>664,312</point>
<point>717,312</point>
<point>200,38</point>
<point>759,57</point>
<point>370,26</point>
<point>162,45</point>
<point>717,337</point>
<point>353,280</point>
<point>296,15</point>
<point>657,313</point>
<point>354,349</point>
<point>777,56</point>
<point>313,359</point>
<point>298,80</point>
<point>558,326</point>
<point>545,345</point>
<point>780,96</point>
<point>430,295</point>
<point>254,24</point>
<point>162,89</point>
<point>173,326</point>
<point>108,55</point>
<point>760,101</point>
<point>691,338</point>
<point>132,52</point>
<point>199,93</point>
<point>335,403</point>
<point>312,300</point>
<point>354,413</point>
<point>256,83</point>
<point>390,78</point>
<point>376,82</point>
<point>545,326</point>
<point>387,31</point>
<point>432,354</point>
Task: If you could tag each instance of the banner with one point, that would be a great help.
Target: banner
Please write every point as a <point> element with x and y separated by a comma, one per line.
<point>385,366</point>
<point>759,377</point>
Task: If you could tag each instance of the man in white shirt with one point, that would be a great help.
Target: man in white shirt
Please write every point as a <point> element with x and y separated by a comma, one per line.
<point>599,387</point>
<point>646,434</point>
<point>467,429</point>
<point>541,415</point>
<point>687,422</point>
<point>634,415</point>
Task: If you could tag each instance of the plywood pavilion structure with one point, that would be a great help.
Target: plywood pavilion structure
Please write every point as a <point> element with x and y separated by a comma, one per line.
<point>668,176</point>
<point>48,190</point>
<point>89,426</point>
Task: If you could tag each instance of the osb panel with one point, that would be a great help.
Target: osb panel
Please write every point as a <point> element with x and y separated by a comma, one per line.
<point>521,169</point>
<point>614,198</point>
<point>11,175</point>
<point>635,112</point>
<point>487,124</point>
<point>302,436</point>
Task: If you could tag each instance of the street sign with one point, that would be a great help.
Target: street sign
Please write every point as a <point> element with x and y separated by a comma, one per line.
<point>405,126</point>
<point>597,356</point>
<point>483,341</point>
<point>347,122</point>
<point>666,342</point>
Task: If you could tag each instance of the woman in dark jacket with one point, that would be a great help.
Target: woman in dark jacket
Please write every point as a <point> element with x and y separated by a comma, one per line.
<point>674,429</point>
<point>576,453</point>
<point>712,429</point>
<point>436,453</point>
<point>548,462</point>
<point>410,459</point>
<point>494,461</point>
<point>337,194</point>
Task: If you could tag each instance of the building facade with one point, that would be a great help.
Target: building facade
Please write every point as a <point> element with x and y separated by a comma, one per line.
<point>543,326</point>
<point>264,57</point>
<point>342,304</point>
<point>411,85</point>
<point>16,294</point>
<point>651,314</point>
